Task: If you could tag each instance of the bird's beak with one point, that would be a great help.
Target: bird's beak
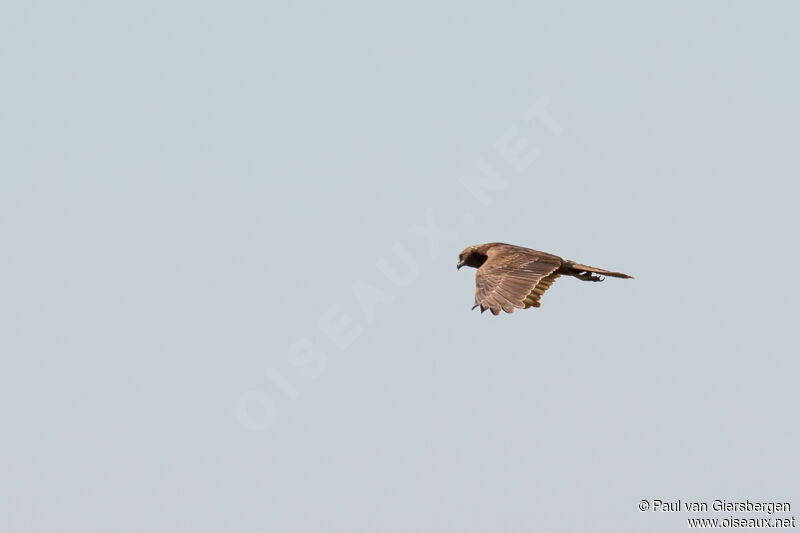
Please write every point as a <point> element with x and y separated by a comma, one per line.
<point>459,265</point>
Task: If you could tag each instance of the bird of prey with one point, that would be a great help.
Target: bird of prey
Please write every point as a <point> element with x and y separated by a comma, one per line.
<point>511,276</point>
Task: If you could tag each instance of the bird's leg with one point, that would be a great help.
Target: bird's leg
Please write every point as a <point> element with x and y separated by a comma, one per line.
<point>588,276</point>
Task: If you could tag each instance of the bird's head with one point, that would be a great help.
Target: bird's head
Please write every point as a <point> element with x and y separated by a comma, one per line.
<point>472,256</point>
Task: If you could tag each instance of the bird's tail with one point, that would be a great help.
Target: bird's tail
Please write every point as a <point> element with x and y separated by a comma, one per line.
<point>586,268</point>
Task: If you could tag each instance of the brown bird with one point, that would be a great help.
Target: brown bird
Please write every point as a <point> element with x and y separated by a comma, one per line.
<point>512,276</point>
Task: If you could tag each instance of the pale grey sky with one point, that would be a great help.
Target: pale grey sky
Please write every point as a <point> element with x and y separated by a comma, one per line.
<point>229,233</point>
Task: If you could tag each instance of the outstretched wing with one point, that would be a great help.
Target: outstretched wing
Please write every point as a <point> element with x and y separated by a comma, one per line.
<point>514,277</point>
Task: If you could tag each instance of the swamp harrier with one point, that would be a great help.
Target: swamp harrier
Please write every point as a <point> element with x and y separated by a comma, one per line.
<point>512,276</point>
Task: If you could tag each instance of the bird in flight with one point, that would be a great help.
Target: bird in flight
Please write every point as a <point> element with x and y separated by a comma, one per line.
<point>511,276</point>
